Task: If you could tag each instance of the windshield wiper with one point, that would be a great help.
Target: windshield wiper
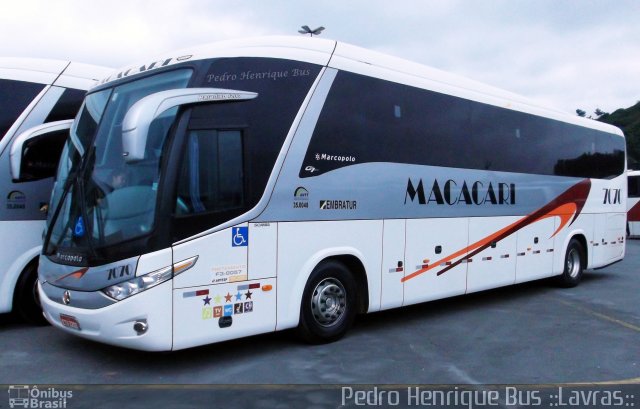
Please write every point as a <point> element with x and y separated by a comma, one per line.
<point>85,217</point>
<point>72,178</point>
<point>56,213</point>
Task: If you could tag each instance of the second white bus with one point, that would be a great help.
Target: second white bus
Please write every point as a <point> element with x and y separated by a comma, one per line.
<point>633,203</point>
<point>253,186</point>
<point>32,92</point>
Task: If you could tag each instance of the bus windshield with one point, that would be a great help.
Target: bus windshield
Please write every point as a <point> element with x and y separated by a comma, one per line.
<point>99,199</point>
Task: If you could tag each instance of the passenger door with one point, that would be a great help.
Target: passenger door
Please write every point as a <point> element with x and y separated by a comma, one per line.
<point>219,299</point>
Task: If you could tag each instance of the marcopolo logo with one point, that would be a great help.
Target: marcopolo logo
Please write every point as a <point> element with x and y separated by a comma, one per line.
<point>334,158</point>
<point>33,397</point>
<point>70,258</point>
<point>453,192</point>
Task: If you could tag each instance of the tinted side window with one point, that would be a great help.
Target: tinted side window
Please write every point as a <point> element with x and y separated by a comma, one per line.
<point>281,86</point>
<point>41,155</point>
<point>610,155</point>
<point>391,122</point>
<point>67,106</point>
<point>634,186</point>
<point>15,96</point>
<point>211,179</point>
<point>573,151</point>
<point>369,120</point>
<point>505,140</point>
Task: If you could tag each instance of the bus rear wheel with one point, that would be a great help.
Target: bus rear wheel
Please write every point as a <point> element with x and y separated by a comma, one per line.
<point>26,299</point>
<point>328,303</point>
<point>573,265</point>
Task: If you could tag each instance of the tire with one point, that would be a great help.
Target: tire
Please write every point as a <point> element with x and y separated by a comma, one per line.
<point>574,260</point>
<point>26,301</point>
<point>329,303</point>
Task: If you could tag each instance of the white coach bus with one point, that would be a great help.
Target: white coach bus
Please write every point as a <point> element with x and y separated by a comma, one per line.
<point>258,185</point>
<point>633,203</point>
<point>32,92</point>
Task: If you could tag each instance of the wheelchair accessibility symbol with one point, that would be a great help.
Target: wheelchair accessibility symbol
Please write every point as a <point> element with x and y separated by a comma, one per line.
<point>240,237</point>
<point>78,230</point>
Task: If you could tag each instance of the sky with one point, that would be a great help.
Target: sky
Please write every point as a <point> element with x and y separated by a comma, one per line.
<point>566,54</point>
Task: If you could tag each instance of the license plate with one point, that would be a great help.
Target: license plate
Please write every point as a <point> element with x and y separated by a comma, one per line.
<point>69,322</point>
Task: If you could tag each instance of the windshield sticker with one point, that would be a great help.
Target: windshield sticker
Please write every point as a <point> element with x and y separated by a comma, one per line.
<point>16,200</point>
<point>78,230</point>
<point>240,236</point>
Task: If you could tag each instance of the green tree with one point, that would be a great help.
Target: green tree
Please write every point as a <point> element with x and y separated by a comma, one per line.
<point>627,119</point>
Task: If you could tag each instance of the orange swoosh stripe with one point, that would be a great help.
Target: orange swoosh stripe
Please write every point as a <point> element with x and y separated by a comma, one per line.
<point>567,206</point>
<point>75,274</point>
<point>485,241</point>
<point>565,212</point>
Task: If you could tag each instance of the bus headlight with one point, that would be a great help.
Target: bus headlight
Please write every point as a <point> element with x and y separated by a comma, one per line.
<point>136,285</point>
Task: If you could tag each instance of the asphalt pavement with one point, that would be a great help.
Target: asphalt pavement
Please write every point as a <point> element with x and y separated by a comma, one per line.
<point>534,334</point>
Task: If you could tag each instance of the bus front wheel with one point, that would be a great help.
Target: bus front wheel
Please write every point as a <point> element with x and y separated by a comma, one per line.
<point>328,303</point>
<point>26,299</point>
<point>573,265</point>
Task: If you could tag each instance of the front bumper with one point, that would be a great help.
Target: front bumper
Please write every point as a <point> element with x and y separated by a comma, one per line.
<point>114,324</point>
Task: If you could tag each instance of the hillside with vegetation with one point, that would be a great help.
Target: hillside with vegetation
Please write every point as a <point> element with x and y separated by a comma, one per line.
<point>629,121</point>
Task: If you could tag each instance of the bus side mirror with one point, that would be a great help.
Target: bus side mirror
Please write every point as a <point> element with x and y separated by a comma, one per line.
<point>137,121</point>
<point>35,153</point>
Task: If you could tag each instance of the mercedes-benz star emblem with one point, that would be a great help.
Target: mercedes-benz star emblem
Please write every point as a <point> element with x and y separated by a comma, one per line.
<point>66,297</point>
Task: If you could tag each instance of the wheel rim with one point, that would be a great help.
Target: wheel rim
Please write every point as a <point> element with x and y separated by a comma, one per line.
<point>328,302</point>
<point>573,263</point>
